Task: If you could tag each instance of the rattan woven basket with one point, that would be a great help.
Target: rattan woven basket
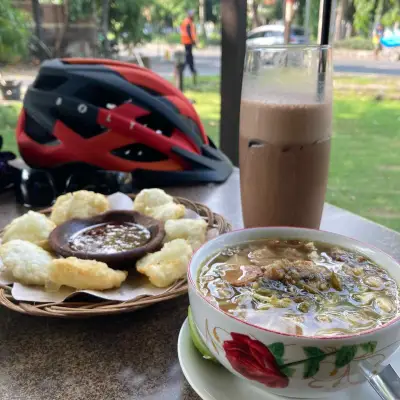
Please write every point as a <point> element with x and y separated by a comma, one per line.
<point>91,306</point>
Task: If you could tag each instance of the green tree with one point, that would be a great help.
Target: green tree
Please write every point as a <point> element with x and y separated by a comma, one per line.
<point>14,32</point>
<point>81,9</point>
<point>363,16</point>
<point>124,19</point>
<point>368,12</point>
<point>391,12</point>
<point>314,16</point>
<point>37,19</point>
<point>170,13</point>
<point>173,10</point>
<point>127,20</point>
<point>379,10</point>
<point>213,10</point>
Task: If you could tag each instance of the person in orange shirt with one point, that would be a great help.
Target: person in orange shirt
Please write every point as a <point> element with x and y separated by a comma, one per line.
<point>188,39</point>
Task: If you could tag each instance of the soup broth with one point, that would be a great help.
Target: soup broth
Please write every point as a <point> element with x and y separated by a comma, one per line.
<point>300,287</point>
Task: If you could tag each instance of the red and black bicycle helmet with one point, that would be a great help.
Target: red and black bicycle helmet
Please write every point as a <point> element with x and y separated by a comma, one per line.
<point>116,116</point>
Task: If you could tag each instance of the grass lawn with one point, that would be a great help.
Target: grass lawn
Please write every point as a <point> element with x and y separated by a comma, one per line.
<point>365,164</point>
<point>365,167</point>
<point>8,120</point>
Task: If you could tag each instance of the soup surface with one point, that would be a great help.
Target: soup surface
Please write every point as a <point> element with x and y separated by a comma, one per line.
<point>300,287</point>
<point>110,238</point>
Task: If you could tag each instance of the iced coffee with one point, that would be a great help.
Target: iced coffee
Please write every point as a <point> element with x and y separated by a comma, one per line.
<point>285,136</point>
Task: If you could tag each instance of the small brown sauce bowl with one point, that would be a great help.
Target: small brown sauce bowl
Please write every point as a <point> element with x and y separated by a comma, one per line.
<point>60,237</point>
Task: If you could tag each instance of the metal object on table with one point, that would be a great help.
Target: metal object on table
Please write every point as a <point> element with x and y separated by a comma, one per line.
<point>179,61</point>
<point>384,380</point>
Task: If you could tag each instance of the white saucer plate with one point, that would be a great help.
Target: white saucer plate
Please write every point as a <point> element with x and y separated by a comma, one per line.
<point>214,382</point>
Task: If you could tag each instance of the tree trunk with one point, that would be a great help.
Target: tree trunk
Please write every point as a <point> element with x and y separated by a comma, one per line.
<point>202,17</point>
<point>289,14</point>
<point>307,29</point>
<point>256,16</point>
<point>340,12</point>
<point>105,10</point>
<point>64,28</point>
<point>378,11</point>
<point>37,17</point>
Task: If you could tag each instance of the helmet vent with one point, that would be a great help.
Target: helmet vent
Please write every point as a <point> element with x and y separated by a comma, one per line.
<point>139,152</point>
<point>78,125</point>
<point>38,133</point>
<point>157,123</point>
<point>101,96</point>
<point>49,82</point>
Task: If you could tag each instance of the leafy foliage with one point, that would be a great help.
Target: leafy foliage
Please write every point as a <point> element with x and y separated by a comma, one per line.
<point>355,43</point>
<point>367,12</point>
<point>126,17</point>
<point>8,121</point>
<point>127,20</point>
<point>273,13</point>
<point>314,16</point>
<point>14,32</point>
<point>213,10</point>
<point>80,9</point>
<point>391,12</point>
<point>363,16</point>
<point>171,12</point>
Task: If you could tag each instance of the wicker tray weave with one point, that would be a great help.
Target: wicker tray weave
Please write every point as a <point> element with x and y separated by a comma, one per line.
<point>94,306</point>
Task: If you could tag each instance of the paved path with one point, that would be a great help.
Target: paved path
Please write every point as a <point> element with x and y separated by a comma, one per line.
<point>208,64</point>
<point>368,67</point>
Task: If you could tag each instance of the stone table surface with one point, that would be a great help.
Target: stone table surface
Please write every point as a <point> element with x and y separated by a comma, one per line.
<point>129,356</point>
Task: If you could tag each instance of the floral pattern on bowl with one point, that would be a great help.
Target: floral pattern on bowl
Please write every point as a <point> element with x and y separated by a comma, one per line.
<point>266,363</point>
<point>255,361</point>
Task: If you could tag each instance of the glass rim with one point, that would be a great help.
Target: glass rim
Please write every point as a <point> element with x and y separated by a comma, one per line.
<point>288,46</point>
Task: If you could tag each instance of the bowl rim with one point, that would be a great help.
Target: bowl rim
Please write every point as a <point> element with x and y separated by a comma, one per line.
<point>260,328</point>
<point>104,218</point>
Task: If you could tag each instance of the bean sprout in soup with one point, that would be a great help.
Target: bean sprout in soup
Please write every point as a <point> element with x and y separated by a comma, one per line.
<point>300,287</point>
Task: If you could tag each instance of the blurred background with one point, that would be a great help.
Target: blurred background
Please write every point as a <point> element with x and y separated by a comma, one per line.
<point>365,168</point>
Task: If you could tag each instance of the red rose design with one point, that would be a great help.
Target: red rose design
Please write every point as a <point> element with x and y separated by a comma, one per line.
<point>253,360</point>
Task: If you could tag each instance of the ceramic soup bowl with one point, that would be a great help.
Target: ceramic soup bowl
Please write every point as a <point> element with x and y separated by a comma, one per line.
<point>290,365</point>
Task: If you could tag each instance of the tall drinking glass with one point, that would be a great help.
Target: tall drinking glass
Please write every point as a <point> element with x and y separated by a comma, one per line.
<point>285,135</point>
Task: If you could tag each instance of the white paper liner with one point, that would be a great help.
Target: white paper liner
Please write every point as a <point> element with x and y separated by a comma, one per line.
<point>134,287</point>
<point>37,294</point>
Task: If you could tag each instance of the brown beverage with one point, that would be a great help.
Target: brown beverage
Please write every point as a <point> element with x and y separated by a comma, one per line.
<point>284,159</point>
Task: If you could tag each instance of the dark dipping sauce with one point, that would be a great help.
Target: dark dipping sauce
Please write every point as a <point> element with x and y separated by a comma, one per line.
<point>110,238</point>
